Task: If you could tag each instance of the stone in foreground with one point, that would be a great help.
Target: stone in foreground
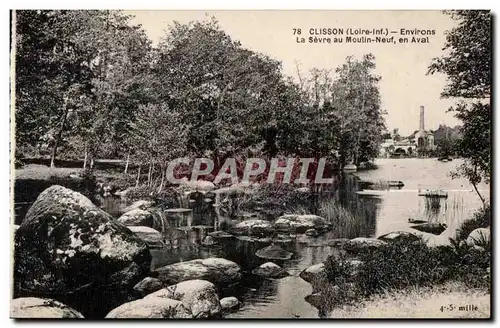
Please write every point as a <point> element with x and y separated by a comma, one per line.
<point>70,250</point>
<point>150,308</point>
<point>270,270</point>
<point>198,296</point>
<point>40,308</point>
<point>273,252</point>
<point>216,270</point>
<point>230,303</point>
<point>359,244</point>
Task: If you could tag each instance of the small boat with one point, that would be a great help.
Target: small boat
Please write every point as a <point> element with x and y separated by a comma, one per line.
<point>445,159</point>
<point>350,168</point>
<point>433,193</point>
<point>417,221</point>
<point>370,192</point>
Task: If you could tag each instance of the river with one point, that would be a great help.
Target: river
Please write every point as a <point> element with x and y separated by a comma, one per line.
<point>389,211</point>
<point>375,216</point>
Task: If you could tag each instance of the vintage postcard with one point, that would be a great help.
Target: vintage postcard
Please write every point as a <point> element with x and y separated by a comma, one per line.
<point>251,164</point>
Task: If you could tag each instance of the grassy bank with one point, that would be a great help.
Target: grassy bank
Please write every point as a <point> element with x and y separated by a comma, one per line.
<point>406,271</point>
<point>424,302</point>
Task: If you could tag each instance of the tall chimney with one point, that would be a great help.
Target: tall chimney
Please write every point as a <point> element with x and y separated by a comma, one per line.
<point>422,126</point>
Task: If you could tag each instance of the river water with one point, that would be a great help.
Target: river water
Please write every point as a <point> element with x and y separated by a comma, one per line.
<point>388,211</point>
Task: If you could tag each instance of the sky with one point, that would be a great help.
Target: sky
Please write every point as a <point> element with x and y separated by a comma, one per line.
<point>404,87</point>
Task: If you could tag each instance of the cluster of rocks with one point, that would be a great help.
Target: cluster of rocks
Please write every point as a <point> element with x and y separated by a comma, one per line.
<point>73,260</point>
<point>309,224</point>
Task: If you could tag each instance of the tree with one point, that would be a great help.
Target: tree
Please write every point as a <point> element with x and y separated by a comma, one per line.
<point>234,99</point>
<point>467,64</point>
<point>79,75</point>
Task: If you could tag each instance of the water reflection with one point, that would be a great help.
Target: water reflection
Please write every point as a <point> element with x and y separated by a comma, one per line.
<point>358,215</point>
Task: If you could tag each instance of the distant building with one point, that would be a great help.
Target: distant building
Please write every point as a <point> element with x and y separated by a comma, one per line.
<point>421,142</point>
<point>424,139</point>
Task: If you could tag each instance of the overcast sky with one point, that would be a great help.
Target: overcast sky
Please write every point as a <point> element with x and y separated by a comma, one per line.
<point>404,86</point>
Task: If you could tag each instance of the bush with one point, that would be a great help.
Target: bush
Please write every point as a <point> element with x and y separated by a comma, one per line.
<point>273,199</point>
<point>480,219</point>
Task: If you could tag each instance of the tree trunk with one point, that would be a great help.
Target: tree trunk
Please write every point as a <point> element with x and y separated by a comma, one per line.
<point>85,158</point>
<point>479,194</point>
<point>138,176</point>
<point>59,133</point>
<point>126,163</point>
<point>149,173</point>
<point>162,180</point>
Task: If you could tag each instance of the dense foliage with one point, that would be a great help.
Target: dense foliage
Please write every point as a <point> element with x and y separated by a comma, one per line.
<point>467,65</point>
<point>90,85</point>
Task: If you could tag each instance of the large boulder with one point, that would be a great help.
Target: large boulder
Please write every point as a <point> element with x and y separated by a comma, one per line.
<point>253,227</point>
<point>70,250</point>
<point>151,308</point>
<point>273,252</point>
<point>40,308</point>
<point>153,238</point>
<point>400,236</point>
<point>147,286</point>
<point>479,237</point>
<point>198,296</point>
<point>216,270</point>
<point>359,244</point>
<point>137,217</point>
<point>435,228</point>
<point>300,223</point>
<point>270,270</point>
<point>313,273</point>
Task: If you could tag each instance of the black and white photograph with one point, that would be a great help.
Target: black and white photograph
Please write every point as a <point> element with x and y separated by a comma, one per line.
<point>250,164</point>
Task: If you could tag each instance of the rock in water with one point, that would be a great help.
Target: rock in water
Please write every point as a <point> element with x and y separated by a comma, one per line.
<point>398,236</point>
<point>479,237</point>
<point>312,233</point>
<point>70,250</point>
<point>314,272</point>
<point>137,217</point>
<point>208,241</point>
<point>140,204</point>
<point>151,308</point>
<point>253,227</point>
<point>198,296</point>
<point>147,286</point>
<point>216,270</point>
<point>229,303</point>
<point>361,244</point>
<point>270,270</point>
<point>152,237</point>
<point>273,252</point>
<point>435,228</point>
<point>300,223</point>
<point>39,308</point>
<point>220,234</point>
